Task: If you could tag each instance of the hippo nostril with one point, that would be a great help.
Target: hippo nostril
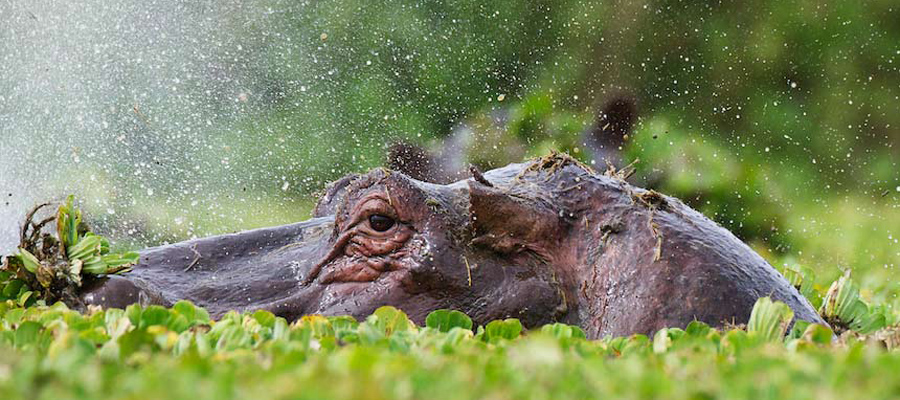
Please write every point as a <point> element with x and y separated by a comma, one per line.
<point>380,223</point>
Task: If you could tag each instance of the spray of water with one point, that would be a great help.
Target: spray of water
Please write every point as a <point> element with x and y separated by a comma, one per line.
<point>126,104</point>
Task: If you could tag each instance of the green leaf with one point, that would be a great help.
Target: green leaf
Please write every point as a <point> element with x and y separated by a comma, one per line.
<point>636,344</point>
<point>661,341</point>
<point>507,329</point>
<point>798,328</point>
<point>28,333</point>
<point>736,340</point>
<point>133,313</point>
<point>445,320</point>
<point>194,314</point>
<point>88,247</point>
<point>388,320</point>
<point>154,315</point>
<point>843,305</point>
<point>11,290</point>
<point>454,338</point>
<point>24,297</point>
<point>697,329</point>
<point>134,341</point>
<point>104,245</point>
<point>14,316</point>
<point>67,220</point>
<point>30,262</point>
<point>793,276</point>
<point>818,334</point>
<point>120,260</point>
<point>769,319</point>
<point>869,323</point>
<point>177,323</point>
<point>563,331</point>
<point>95,266</point>
<point>343,322</point>
<point>185,308</point>
<point>281,330</point>
<point>839,294</point>
<point>265,318</point>
<point>96,336</point>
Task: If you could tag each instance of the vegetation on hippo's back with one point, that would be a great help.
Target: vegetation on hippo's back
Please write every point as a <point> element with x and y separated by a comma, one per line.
<point>51,267</point>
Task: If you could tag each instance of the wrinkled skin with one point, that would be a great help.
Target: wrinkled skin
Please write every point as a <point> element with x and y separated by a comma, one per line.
<point>544,241</point>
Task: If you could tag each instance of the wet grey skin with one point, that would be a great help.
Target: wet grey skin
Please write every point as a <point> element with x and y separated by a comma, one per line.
<point>544,241</point>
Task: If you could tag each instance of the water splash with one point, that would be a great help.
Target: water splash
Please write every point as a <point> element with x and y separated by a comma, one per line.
<point>122,103</point>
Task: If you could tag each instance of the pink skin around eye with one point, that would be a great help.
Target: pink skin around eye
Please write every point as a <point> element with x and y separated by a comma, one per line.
<point>369,246</point>
<point>368,242</point>
<point>369,205</point>
<point>367,253</point>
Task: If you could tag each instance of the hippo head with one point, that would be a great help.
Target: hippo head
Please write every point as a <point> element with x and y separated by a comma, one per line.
<point>376,239</point>
<point>419,246</point>
<point>544,241</point>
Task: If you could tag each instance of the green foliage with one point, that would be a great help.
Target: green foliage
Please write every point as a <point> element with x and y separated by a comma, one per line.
<point>154,352</point>
<point>770,319</point>
<point>49,267</point>
<point>818,334</point>
<point>563,331</point>
<point>843,308</point>
<point>497,331</point>
<point>68,218</point>
<point>84,250</point>
<point>445,320</point>
<point>803,279</point>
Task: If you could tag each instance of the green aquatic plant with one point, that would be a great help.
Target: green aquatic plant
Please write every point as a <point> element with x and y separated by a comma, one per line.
<point>51,266</point>
<point>180,352</point>
<point>845,310</point>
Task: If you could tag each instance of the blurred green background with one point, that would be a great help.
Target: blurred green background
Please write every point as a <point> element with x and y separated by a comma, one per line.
<point>778,119</point>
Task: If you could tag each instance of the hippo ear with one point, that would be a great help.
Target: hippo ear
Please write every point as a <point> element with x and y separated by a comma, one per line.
<point>613,124</point>
<point>412,160</point>
<point>614,121</point>
<point>333,196</point>
<point>508,223</point>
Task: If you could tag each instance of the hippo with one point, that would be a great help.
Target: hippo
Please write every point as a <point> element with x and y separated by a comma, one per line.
<point>548,240</point>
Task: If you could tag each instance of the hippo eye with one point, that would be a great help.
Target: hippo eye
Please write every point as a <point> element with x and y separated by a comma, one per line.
<point>380,223</point>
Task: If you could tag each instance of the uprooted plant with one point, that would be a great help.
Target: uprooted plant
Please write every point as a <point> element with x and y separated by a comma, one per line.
<point>51,267</point>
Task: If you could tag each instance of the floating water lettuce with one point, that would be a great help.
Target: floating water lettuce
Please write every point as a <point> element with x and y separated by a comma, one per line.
<point>844,309</point>
<point>50,267</point>
<point>769,319</point>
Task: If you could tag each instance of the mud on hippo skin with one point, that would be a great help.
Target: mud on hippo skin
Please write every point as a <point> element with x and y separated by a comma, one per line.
<point>543,241</point>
